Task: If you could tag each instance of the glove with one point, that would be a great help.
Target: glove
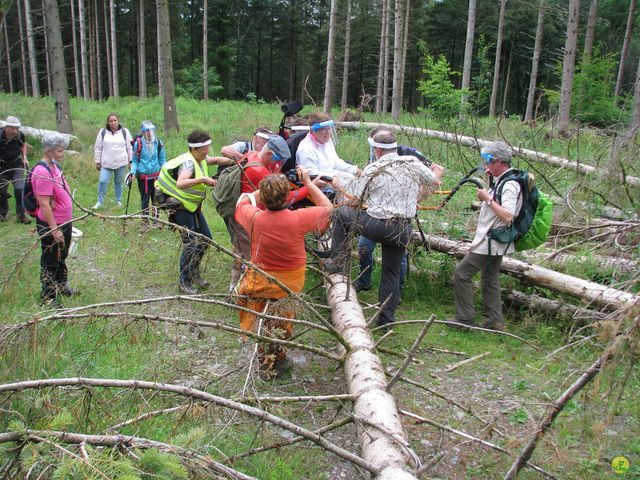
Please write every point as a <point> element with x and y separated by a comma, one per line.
<point>128,179</point>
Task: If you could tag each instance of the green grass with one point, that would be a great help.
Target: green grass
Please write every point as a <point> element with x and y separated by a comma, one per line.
<point>512,386</point>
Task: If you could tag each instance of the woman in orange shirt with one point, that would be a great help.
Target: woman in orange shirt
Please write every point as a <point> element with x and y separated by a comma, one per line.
<point>277,247</point>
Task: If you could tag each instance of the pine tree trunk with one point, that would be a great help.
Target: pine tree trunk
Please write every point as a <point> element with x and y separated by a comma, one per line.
<point>331,59</point>
<point>58,70</point>
<point>31,45</point>
<point>97,51</point>
<point>535,62</point>
<point>74,45</point>
<point>294,50</point>
<point>164,37</point>
<point>590,32</point>
<point>10,73</point>
<point>381,56</point>
<point>345,69</point>
<point>159,53</point>
<point>142,52</point>
<point>568,66</point>
<point>92,50</point>
<point>496,66</point>
<point>636,97</point>
<point>84,61</point>
<point>625,48</point>
<point>205,62</point>
<point>468,51</point>
<point>107,45</point>
<point>405,46</point>
<point>505,91</point>
<point>396,99</point>
<point>385,73</point>
<point>46,57</point>
<point>114,49</point>
<point>23,52</point>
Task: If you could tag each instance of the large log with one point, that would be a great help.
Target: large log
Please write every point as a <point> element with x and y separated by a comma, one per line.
<point>39,133</point>
<point>590,292</point>
<point>366,380</point>
<point>622,265</point>
<point>553,307</point>
<point>479,143</point>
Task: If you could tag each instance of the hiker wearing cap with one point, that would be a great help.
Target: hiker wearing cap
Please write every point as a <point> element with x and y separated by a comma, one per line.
<point>258,165</point>
<point>186,180</point>
<point>112,153</point>
<point>54,213</point>
<point>13,163</point>
<point>277,247</point>
<point>148,158</point>
<point>237,150</point>
<point>391,188</point>
<point>485,254</point>
<point>317,152</point>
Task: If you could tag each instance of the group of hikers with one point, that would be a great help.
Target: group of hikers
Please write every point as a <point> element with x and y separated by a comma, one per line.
<point>271,213</point>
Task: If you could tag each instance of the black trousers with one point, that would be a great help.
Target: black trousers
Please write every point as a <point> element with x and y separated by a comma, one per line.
<point>11,173</point>
<point>53,266</point>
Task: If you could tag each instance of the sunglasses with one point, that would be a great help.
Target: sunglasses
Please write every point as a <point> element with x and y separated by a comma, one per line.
<point>487,157</point>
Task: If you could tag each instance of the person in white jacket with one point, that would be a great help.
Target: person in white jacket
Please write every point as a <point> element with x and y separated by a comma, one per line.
<point>112,153</point>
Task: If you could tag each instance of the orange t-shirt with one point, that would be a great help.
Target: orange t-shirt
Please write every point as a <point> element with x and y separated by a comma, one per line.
<point>277,237</point>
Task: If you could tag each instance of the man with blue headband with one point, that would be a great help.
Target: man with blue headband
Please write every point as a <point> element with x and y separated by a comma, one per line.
<point>317,152</point>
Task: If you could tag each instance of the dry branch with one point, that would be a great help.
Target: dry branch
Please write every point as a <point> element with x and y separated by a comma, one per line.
<point>590,292</point>
<point>553,307</point>
<point>479,143</point>
<point>197,394</point>
<point>455,366</point>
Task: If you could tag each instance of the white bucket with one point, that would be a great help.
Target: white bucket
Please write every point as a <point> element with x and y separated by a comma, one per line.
<point>76,235</point>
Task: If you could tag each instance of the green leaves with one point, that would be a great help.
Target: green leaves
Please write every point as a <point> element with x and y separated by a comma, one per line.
<point>443,98</point>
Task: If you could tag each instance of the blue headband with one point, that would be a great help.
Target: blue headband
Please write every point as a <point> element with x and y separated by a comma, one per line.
<point>317,126</point>
<point>487,157</point>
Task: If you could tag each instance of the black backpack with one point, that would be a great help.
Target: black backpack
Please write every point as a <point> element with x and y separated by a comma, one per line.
<point>293,142</point>
<point>29,200</point>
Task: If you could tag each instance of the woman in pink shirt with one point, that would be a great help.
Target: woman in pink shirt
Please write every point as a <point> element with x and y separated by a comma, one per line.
<point>54,213</point>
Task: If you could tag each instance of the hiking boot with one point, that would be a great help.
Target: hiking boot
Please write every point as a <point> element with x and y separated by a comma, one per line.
<point>358,287</point>
<point>461,324</point>
<point>119,204</point>
<point>97,206</point>
<point>23,219</point>
<point>187,288</point>
<point>200,282</point>
<point>494,325</point>
<point>67,291</point>
<point>51,302</point>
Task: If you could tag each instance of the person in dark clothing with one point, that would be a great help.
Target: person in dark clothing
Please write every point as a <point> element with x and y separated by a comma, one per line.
<point>13,163</point>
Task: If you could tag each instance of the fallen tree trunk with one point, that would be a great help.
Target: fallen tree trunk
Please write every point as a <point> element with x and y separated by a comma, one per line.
<point>382,438</point>
<point>611,213</point>
<point>553,307</point>
<point>479,143</point>
<point>622,265</point>
<point>590,292</point>
<point>39,133</point>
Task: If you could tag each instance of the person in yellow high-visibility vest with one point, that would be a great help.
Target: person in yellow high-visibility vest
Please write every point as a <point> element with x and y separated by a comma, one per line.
<point>186,179</point>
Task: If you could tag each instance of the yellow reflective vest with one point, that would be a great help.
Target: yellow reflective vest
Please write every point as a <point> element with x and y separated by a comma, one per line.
<point>191,197</point>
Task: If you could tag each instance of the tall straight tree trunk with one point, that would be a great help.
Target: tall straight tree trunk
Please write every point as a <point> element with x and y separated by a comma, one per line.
<point>107,45</point>
<point>396,99</point>
<point>535,62</point>
<point>294,50</point>
<point>405,47</point>
<point>114,49</point>
<point>164,37</point>
<point>23,52</point>
<point>625,47</point>
<point>74,45</point>
<point>142,52</point>
<point>97,50</point>
<point>159,53</point>
<point>496,66</point>
<point>46,57</point>
<point>58,71</point>
<point>10,73</point>
<point>205,62</point>
<point>381,57</point>
<point>331,59</point>
<point>385,73</point>
<point>84,60</point>
<point>345,68</point>
<point>590,33</point>
<point>505,91</point>
<point>636,97</point>
<point>468,49</point>
<point>568,66</point>
<point>92,50</point>
<point>31,45</point>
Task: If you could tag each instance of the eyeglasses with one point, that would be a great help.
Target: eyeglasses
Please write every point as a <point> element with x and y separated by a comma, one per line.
<point>487,157</point>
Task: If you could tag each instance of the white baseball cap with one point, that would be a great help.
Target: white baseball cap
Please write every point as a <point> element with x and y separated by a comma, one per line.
<point>13,121</point>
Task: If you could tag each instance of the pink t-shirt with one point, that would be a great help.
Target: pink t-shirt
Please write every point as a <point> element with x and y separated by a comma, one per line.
<point>55,186</point>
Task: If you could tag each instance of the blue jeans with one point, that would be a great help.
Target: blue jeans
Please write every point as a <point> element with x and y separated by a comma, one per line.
<point>193,248</point>
<point>366,247</point>
<point>118,179</point>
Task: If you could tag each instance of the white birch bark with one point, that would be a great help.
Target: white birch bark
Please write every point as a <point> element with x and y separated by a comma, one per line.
<point>31,46</point>
<point>625,47</point>
<point>568,66</point>
<point>396,99</point>
<point>345,66</point>
<point>381,56</point>
<point>84,60</point>
<point>535,62</point>
<point>496,66</point>
<point>114,49</point>
<point>331,59</point>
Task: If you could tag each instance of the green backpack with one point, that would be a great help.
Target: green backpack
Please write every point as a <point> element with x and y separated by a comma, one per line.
<point>531,227</point>
<point>227,189</point>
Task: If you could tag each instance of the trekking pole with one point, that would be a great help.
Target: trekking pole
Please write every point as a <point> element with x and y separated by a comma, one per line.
<point>128,181</point>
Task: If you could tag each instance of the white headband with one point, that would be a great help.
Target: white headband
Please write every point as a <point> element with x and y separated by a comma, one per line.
<point>384,146</point>
<point>201,144</point>
<point>300,128</point>
<point>262,135</point>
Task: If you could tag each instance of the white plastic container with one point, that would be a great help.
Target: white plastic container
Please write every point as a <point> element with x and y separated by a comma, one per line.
<point>76,235</point>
